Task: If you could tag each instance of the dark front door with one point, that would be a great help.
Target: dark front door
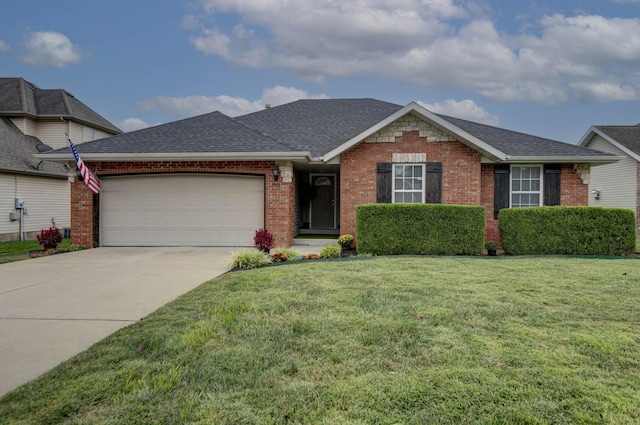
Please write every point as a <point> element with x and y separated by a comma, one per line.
<point>323,205</point>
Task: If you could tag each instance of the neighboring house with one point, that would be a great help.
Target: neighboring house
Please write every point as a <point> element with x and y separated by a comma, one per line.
<point>303,167</point>
<point>33,120</point>
<point>618,184</point>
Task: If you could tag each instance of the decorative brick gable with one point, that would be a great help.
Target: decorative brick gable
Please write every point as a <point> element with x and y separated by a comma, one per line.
<point>407,138</point>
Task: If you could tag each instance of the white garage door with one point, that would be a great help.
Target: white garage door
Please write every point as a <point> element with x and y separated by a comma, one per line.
<point>181,210</point>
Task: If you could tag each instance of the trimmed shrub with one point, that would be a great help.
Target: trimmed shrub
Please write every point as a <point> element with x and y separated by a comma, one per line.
<point>311,256</point>
<point>330,251</point>
<point>420,229</point>
<point>567,230</point>
<point>249,259</point>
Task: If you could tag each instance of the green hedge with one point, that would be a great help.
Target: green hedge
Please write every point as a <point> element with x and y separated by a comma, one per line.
<point>567,230</point>
<point>420,229</point>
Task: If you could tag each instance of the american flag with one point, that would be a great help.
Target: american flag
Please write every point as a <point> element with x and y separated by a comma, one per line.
<point>90,179</point>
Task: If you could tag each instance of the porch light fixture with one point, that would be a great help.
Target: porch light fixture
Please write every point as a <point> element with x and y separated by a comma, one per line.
<point>275,173</point>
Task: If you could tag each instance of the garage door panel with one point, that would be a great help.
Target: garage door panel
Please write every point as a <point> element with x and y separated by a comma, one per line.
<point>181,210</point>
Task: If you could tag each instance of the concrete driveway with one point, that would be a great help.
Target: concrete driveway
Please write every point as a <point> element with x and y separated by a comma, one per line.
<point>52,308</point>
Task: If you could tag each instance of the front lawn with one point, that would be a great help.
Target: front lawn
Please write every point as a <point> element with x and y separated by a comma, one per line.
<point>19,250</point>
<point>411,340</point>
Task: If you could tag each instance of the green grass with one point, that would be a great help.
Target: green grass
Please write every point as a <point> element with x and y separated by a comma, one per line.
<point>19,250</point>
<point>410,340</point>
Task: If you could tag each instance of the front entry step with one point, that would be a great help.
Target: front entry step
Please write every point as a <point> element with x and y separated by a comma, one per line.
<point>313,242</point>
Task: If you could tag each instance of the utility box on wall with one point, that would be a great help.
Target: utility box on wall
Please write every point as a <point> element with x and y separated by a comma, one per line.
<point>19,203</point>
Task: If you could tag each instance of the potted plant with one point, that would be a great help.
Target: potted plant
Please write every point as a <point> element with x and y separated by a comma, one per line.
<point>492,248</point>
<point>345,241</point>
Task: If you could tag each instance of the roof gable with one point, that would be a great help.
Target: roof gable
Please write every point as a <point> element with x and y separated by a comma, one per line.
<point>17,150</point>
<point>19,97</point>
<point>495,143</point>
<point>624,137</point>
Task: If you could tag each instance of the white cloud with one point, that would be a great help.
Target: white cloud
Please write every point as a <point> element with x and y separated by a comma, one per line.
<point>189,106</point>
<point>132,124</point>
<point>3,46</point>
<point>50,49</point>
<point>466,109</point>
<point>437,43</point>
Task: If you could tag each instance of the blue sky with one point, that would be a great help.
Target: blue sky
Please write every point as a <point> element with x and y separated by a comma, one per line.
<point>543,67</point>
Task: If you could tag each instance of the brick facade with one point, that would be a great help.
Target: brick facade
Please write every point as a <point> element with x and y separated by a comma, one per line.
<point>461,171</point>
<point>279,195</point>
<point>465,180</point>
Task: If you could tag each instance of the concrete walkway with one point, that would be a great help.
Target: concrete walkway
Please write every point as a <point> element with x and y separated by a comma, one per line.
<point>52,308</point>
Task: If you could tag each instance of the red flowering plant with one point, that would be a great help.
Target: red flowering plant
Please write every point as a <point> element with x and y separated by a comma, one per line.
<point>263,240</point>
<point>50,238</point>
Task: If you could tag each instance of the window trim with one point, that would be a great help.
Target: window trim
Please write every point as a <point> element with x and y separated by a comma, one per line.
<point>539,192</point>
<point>393,181</point>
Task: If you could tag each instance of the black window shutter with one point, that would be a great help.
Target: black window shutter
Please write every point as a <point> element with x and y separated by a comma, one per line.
<point>384,182</point>
<point>552,177</point>
<point>433,185</point>
<point>501,188</point>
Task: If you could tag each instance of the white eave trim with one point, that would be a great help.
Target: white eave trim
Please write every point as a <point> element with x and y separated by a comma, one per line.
<point>464,137</point>
<point>594,130</point>
<point>604,159</point>
<point>180,156</point>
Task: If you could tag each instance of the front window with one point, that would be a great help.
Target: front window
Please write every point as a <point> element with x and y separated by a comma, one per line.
<point>526,184</point>
<point>408,183</point>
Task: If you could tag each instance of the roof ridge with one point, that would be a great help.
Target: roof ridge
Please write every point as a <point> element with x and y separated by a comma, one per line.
<point>262,133</point>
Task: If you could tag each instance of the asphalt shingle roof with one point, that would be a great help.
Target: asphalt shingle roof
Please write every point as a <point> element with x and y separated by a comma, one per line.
<point>315,126</point>
<point>213,132</point>
<point>19,97</point>
<point>627,135</point>
<point>16,152</point>
<point>514,143</point>
<point>320,125</point>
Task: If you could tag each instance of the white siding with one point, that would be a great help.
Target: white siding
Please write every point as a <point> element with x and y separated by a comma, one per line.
<point>52,133</point>
<point>616,182</point>
<point>75,132</point>
<point>44,198</point>
<point>7,204</point>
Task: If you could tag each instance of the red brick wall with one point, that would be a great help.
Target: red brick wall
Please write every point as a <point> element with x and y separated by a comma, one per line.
<point>573,192</point>
<point>279,196</point>
<point>460,172</point>
<point>491,231</point>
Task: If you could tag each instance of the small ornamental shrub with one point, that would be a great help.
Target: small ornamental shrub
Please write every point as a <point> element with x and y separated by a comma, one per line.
<point>279,257</point>
<point>263,240</point>
<point>292,254</point>
<point>249,259</point>
<point>330,251</point>
<point>345,240</point>
<point>312,256</point>
<point>50,238</point>
<point>490,245</point>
